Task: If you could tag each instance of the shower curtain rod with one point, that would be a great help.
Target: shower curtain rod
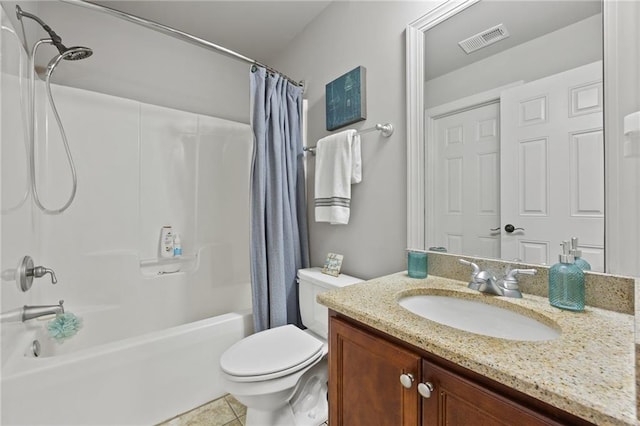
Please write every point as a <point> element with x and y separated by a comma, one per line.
<point>189,38</point>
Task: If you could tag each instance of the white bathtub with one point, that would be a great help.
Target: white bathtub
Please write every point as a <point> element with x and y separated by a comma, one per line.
<point>141,380</point>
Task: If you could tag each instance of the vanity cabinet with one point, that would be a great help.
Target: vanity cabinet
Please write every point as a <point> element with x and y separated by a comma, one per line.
<point>364,386</point>
<point>376,380</point>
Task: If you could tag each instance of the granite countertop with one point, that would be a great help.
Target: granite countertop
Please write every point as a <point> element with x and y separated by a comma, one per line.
<point>588,371</point>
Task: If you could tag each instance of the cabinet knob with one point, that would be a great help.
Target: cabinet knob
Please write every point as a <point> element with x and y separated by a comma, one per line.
<point>425,389</point>
<point>406,380</point>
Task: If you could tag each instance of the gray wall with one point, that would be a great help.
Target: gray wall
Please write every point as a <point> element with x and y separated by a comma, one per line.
<point>133,62</point>
<point>346,35</point>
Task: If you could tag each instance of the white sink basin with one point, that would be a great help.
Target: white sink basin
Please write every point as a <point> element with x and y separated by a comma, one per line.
<point>477,317</point>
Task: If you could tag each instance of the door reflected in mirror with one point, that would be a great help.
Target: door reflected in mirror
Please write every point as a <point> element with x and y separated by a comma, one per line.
<point>514,148</point>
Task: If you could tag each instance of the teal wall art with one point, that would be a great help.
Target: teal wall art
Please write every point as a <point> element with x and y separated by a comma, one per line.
<point>346,99</point>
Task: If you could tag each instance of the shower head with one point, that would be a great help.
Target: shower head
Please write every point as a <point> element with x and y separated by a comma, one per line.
<point>70,54</point>
<point>76,52</point>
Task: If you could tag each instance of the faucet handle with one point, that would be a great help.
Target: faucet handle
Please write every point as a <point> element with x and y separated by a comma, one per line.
<point>510,280</point>
<point>26,272</point>
<point>476,268</point>
<point>40,271</point>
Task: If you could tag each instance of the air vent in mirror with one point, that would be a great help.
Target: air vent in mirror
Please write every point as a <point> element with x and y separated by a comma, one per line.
<point>484,38</point>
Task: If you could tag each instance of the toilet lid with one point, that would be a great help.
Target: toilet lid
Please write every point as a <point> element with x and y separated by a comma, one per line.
<point>271,353</point>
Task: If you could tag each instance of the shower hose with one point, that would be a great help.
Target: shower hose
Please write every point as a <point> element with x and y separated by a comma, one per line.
<point>32,136</point>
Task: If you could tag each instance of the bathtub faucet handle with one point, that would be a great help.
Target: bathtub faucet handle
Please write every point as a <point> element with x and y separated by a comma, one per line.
<point>26,272</point>
<point>40,271</point>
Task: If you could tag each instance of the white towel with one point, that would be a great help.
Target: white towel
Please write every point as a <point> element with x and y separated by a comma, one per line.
<point>338,165</point>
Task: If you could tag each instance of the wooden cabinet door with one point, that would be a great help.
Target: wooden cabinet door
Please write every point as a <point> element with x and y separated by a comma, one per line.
<point>364,380</point>
<point>456,401</point>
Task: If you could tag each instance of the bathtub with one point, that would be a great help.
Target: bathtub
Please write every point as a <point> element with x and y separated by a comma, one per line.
<point>141,380</point>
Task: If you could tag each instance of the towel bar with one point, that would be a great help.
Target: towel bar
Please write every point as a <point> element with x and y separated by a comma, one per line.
<point>385,129</point>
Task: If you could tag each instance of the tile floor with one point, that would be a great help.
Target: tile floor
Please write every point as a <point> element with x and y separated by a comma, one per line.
<point>225,411</point>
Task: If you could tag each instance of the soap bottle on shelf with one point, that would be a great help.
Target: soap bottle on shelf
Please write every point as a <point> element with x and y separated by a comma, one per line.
<point>566,282</point>
<point>579,261</point>
<point>166,242</point>
<point>177,246</point>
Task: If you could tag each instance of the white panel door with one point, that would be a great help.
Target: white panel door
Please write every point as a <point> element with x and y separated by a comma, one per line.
<point>468,181</point>
<point>552,166</point>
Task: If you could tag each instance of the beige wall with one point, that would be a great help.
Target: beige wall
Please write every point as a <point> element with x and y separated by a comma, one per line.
<point>346,35</point>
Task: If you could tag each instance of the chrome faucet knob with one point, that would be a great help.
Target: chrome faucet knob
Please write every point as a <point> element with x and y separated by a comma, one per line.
<point>511,280</point>
<point>509,284</point>
<point>26,272</point>
<point>40,271</point>
<point>476,268</point>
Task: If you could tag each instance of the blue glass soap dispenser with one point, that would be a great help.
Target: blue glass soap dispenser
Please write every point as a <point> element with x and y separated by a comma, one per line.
<point>566,282</point>
<point>577,254</point>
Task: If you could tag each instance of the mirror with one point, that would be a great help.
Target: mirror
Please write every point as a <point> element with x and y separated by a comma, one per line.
<point>513,153</point>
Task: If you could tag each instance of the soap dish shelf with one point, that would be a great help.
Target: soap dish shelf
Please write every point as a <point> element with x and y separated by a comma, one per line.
<point>168,265</point>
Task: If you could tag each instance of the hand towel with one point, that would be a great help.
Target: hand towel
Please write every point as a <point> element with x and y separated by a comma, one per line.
<point>338,165</point>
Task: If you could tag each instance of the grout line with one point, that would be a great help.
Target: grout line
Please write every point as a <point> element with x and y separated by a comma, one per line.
<point>232,410</point>
<point>230,406</point>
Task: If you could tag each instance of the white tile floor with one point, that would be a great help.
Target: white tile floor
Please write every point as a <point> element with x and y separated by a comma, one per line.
<point>225,411</point>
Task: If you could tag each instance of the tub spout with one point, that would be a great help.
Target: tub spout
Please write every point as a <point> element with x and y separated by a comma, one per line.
<point>31,312</point>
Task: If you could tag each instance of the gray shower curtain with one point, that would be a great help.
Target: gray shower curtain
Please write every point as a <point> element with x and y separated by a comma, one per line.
<point>279,239</point>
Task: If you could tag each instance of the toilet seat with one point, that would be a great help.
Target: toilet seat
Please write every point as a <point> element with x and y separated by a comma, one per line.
<point>271,354</point>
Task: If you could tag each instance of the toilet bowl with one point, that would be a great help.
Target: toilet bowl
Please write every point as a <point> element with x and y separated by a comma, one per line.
<point>281,374</point>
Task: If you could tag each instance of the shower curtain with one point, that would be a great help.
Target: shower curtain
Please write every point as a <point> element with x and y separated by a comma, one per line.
<point>279,239</point>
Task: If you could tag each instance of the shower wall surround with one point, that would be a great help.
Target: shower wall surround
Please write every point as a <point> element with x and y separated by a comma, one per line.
<point>140,167</point>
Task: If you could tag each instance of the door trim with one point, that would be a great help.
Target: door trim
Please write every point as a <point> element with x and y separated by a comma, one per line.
<point>415,113</point>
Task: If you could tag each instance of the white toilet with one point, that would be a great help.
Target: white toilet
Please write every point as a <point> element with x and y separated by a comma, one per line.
<point>281,374</point>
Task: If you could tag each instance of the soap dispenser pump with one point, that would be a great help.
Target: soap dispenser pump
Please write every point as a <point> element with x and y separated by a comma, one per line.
<point>566,282</point>
<point>577,254</point>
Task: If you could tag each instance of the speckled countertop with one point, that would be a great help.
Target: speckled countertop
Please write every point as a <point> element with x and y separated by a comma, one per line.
<point>588,371</point>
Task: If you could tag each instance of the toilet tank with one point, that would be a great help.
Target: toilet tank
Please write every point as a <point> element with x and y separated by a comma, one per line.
<point>311,283</point>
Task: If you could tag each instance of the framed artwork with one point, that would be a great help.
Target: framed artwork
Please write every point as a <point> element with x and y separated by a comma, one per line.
<point>346,99</point>
<point>332,264</point>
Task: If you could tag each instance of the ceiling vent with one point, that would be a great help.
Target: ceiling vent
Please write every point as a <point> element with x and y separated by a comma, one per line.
<point>484,38</point>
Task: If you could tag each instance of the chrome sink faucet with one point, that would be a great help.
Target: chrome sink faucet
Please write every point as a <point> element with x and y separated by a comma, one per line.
<point>485,282</point>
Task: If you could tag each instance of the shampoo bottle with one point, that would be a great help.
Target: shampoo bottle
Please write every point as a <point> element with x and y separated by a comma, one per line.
<point>566,282</point>
<point>579,261</point>
<point>177,246</point>
<point>166,242</point>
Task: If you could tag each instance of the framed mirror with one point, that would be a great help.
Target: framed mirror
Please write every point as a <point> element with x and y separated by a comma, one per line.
<point>510,135</point>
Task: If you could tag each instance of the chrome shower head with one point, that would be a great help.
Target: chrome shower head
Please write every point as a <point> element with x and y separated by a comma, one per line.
<point>76,52</point>
<point>70,54</point>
